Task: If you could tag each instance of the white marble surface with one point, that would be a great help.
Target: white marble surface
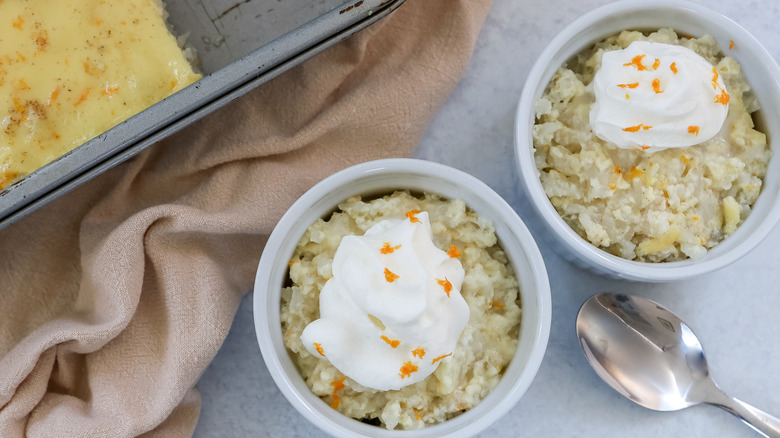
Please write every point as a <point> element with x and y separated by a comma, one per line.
<point>734,311</point>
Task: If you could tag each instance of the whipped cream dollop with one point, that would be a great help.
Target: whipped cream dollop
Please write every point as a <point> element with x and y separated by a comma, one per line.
<point>392,311</point>
<point>653,96</point>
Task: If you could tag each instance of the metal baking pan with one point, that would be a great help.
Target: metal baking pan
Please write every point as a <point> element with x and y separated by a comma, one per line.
<point>241,44</point>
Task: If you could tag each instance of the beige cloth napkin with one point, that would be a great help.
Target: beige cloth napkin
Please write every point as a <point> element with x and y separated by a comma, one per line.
<point>115,297</point>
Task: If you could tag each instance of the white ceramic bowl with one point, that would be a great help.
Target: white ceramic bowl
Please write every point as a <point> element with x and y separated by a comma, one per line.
<point>384,177</point>
<point>762,74</point>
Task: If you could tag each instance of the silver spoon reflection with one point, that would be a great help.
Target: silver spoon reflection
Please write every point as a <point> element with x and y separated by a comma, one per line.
<point>651,356</point>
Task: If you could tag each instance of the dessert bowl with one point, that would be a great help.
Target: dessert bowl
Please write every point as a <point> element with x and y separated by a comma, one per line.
<point>379,178</point>
<point>761,73</point>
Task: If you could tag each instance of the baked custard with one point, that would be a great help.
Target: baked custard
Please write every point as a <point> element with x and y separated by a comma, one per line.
<point>70,70</point>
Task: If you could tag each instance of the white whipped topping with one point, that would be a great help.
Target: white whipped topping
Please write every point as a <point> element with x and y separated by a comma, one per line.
<point>392,312</point>
<point>653,96</point>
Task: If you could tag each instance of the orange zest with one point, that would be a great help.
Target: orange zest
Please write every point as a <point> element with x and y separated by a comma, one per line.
<point>695,218</point>
<point>319,349</point>
<point>387,249</point>
<point>337,385</point>
<point>715,78</point>
<point>693,129</point>
<point>656,64</point>
<point>446,285</point>
<point>412,215</point>
<point>407,369</point>
<point>453,252</point>
<point>631,85</point>
<point>731,44</point>
<point>637,128</point>
<point>391,276</point>
<point>53,96</point>
<point>109,91</point>
<point>657,86</point>
<point>418,352</point>
<point>722,98</point>
<point>636,61</point>
<point>495,304</point>
<point>17,23</point>
<point>440,358</point>
<point>83,97</point>
<point>673,67</point>
<point>391,342</point>
<point>634,172</point>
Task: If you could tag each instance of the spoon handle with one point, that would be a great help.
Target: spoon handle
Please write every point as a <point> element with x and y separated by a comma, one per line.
<point>759,420</point>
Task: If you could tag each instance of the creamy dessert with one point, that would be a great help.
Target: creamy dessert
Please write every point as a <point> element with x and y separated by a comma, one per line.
<point>646,145</point>
<point>71,70</point>
<point>401,311</point>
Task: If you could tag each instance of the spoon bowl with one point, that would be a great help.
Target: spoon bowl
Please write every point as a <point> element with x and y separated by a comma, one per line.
<point>653,358</point>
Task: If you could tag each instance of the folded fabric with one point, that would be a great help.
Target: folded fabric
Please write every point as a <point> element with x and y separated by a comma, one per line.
<point>115,297</point>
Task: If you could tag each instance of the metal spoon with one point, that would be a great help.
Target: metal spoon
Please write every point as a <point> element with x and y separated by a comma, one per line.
<point>651,356</point>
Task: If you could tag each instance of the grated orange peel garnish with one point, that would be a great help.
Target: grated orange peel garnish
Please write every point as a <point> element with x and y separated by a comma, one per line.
<point>18,22</point>
<point>407,369</point>
<point>693,129</point>
<point>53,96</point>
<point>636,61</point>
<point>387,249</point>
<point>337,385</point>
<point>637,128</point>
<point>446,285</point>
<point>83,97</point>
<point>391,342</point>
<point>391,276</point>
<point>673,67</point>
<point>453,252</point>
<point>656,64</point>
<point>318,347</point>
<point>635,172</point>
<point>631,85</point>
<point>722,98</point>
<point>110,91</point>
<point>440,358</point>
<point>657,86</point>
<point>412,215</point>
<point>418,352</point>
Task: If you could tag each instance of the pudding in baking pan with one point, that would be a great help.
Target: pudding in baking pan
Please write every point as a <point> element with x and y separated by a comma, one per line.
<point>72,69</point>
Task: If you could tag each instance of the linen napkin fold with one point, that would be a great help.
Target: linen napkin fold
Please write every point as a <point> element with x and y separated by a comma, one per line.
<point>115,297</point>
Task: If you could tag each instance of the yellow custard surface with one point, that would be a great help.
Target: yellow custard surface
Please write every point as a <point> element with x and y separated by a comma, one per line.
<point>72,69</point>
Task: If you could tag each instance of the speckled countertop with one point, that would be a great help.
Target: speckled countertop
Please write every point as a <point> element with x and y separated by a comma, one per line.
<point>734,311</point>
